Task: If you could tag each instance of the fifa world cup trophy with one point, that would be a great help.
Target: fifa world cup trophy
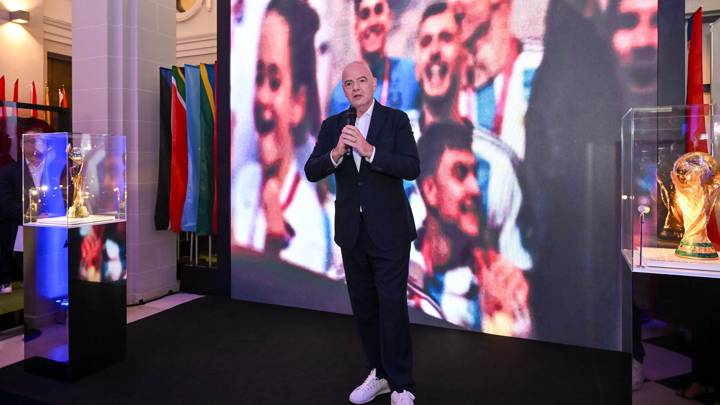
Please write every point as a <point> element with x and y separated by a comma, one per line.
<point>697,185</point>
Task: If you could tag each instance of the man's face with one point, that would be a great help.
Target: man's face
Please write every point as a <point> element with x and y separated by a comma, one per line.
<point>489,44</point>
<point>473,15</point>
<point>372,23</point>
<point>34,149</point>
<point>359,85</point>
<point>635,41</point>
<point>454,192</point>
<point>276,105</point>
<point>438,54</point>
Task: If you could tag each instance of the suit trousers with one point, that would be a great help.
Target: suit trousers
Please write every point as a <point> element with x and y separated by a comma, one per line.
<point>377,285</point>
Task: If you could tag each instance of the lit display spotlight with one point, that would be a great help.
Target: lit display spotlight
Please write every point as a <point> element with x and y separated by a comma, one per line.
<point>62,302</point>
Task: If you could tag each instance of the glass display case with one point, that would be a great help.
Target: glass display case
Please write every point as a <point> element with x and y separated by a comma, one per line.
<point>669,197</point>
<point>75,252</point>
<point>71,180</point>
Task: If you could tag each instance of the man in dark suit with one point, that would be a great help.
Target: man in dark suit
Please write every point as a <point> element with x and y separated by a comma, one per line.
<point>373,226</point>
<point>10,213</point>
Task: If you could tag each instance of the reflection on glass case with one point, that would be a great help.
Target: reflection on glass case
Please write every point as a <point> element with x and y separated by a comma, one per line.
<point>71,180</point>
<point>670,192</point>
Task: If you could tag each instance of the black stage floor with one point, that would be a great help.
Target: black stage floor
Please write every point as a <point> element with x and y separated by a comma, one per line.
<point>216,350</point>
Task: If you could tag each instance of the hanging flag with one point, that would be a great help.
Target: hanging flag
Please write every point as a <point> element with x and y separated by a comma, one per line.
<point>215,171</point>
<point>162,202</point>
<point>192,103</point>
<point>60,98</point>
<point>179,162</point>
<point>2,95</point>
<point>207,129</point>
<point>46,101</point>
<point>696,136</point>
<point>15,95</point>
<point>33,97</point>
<point>64,103</point>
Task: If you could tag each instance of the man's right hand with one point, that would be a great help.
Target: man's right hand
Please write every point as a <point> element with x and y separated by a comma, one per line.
<point>339,149</point>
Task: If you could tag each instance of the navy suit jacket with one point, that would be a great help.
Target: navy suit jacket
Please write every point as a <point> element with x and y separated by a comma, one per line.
<point>378,186</point>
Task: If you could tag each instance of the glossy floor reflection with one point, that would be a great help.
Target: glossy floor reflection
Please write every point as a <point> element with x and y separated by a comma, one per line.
<point>12,349</point>
<point>667,367</point>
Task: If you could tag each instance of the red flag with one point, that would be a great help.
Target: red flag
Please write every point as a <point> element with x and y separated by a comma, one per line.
<point>15,95</point>
<point>696,116</point>
<point>33,97</point>
<point>179,160</point>
<point>696,137</point>
<point>64,103</point>
<point>2,95</point>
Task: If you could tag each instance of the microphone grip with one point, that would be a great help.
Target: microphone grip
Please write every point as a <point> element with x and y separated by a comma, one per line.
<point>350,118</point>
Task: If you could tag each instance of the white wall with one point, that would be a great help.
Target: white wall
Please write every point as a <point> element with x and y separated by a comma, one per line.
<point>59,10</point>
<point>58,26</point>
<point>197,35</point>
<point>707,5</point>
<point>22,50</point>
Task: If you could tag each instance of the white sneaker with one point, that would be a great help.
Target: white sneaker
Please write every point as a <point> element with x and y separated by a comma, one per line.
<point>638,376</point>
<point>368,390</point>
<point>6,289</point>
<point>402,398</point>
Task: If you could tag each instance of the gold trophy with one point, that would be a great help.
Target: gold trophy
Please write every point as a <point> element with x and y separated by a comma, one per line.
<point>672,227</point>
<point>31,214</point>
<point>78,209</point>
<point>697,186</point>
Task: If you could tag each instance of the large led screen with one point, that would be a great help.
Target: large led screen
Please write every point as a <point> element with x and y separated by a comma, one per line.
<point>515,106</point>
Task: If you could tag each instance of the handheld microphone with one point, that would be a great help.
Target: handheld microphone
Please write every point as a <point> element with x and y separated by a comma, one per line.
<point>350,117</point>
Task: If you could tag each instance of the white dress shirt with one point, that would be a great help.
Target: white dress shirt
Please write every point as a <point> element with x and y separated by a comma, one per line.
<point>36,172</point>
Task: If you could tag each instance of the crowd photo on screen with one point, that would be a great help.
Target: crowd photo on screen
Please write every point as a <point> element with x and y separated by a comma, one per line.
<point>497,148</point>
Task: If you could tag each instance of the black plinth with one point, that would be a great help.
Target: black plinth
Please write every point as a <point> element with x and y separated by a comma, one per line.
<point>75,296</point>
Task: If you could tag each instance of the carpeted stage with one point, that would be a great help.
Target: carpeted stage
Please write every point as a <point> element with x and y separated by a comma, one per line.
<point>220,351</point>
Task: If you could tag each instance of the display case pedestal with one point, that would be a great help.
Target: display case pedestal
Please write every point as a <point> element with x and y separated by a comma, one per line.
<point>73,326</point>
<point>74,262</point>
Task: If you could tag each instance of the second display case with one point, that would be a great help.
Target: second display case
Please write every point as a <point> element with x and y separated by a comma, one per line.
<point>73,179</point>
<point>669,196</point>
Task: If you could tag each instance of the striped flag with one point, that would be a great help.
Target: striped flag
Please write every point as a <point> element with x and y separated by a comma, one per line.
<point>162,202</point>
<point>179,161</point>
<point>215,171</point>
<point>207,129</point>
<point>192,103</point>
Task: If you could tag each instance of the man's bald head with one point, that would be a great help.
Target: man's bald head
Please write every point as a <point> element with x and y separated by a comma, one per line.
<point>359,85</point>
<point>357,66</point>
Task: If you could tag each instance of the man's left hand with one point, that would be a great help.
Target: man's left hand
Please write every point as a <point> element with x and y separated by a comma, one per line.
<point>354,138</point>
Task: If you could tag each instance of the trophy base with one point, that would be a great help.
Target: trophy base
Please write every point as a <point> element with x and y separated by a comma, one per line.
<point>78,212</point>
<point>696,250</point>
<point>671,234</point>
